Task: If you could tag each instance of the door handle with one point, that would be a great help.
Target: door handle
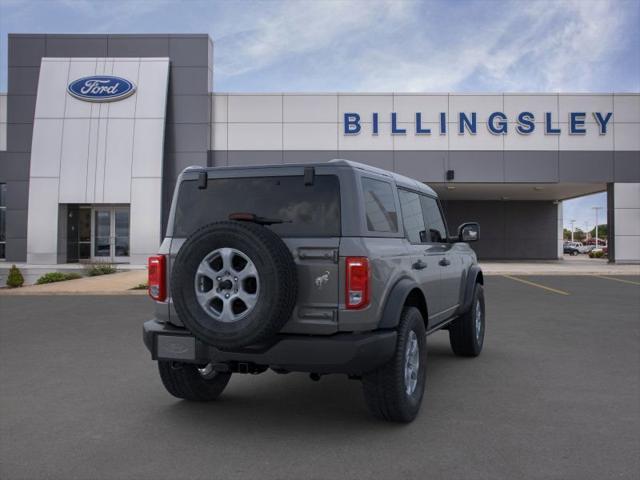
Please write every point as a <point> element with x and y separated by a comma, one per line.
<point>419,265</point>
<point>444,262</point>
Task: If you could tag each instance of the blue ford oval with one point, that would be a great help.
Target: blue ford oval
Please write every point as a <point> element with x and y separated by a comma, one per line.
<point>101,88</point>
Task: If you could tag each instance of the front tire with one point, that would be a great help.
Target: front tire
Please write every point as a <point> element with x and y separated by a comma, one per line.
<point>394,391</point>
<point>466,333</point>
<point>189,382</point>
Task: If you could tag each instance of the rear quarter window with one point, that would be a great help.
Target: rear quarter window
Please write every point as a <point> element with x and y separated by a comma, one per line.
<point>307,210</point>
<point>380,206</point>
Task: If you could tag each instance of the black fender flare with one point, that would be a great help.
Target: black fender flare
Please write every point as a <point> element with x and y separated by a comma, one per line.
<point>395,302</point>
<point>474,275</point>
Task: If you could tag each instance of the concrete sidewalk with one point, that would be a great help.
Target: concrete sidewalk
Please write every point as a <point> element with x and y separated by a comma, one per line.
<point>581,265</point>
<point>123,282</point>
<point>112,284</point>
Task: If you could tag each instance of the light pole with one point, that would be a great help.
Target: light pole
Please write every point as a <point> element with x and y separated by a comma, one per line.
<point>572,224</point>
<point>596,209</point>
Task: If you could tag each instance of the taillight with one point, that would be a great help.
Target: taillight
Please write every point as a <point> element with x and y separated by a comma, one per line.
<point>357,284</point>
<point>157,283</point>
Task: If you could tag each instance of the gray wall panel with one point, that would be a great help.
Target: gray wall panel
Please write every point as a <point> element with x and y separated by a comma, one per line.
<point>626,166</point>
<point>380,159</point>
<point>16,250</point>
<point>189,109</point>
<point>23,80</point>
<point>189,51</point>
<point>16,224</point>
<point>26,50</point>
<point>15,166</point>
<point>138,46</point>
<point>22,108</point>
<point>19,137</point>
<point>429,166</point>
<point>477,166</point>
<point>188,80</point>
<point>187,137</point>
<point>530,166</point>
<point>508,229</point>
<point>17,195</point>
<point>586,166</point>
<point>255,157</point>
<point>307,156</point>
<point>76,46</point>
<point>218,158</point>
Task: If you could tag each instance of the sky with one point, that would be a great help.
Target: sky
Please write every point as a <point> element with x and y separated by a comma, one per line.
<point>378,45</point>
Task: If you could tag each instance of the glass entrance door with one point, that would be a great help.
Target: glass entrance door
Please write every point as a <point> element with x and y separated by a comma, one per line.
<point>111,234</point>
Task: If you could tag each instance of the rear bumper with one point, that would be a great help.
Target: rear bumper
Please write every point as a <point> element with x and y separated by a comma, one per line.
<point>349,353</point>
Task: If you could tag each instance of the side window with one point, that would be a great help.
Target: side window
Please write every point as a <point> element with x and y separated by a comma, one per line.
<point>380,206</point>
<point>412,216</point>
<point>433,219</point>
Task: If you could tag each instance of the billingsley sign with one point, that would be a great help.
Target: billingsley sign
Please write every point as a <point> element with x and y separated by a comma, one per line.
<point>497,123</point>
<point>101,88</point>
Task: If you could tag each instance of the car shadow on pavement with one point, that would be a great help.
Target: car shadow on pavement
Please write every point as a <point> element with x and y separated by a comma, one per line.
<point>270,402</point>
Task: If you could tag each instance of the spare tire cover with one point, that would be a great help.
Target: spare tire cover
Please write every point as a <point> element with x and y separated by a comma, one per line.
<point>234,284</point>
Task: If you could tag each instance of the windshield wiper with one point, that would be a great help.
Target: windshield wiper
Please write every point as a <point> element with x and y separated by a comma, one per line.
<point>252,217</point>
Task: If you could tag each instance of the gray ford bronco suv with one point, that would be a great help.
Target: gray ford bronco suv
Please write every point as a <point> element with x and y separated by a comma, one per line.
<point>333,267</point>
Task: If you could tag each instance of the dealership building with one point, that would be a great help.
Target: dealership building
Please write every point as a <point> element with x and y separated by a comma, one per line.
<point>94,130</point>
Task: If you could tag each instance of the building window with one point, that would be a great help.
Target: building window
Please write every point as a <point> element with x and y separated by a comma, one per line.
<point>3,216</point>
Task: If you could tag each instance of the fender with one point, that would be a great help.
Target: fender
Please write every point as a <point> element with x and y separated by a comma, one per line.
<point>474,275</point>
<point>395,303</point>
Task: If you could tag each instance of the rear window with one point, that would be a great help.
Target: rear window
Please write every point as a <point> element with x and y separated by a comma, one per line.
<point>307,210</point>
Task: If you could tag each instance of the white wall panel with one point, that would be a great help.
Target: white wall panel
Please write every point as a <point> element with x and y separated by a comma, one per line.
<point>430,106</point>
<point>366,141</point>
<point>310,108</point>
<point>118,158</point>
<point>125,108</point>
<point>310,136</point>
<point>365,105</point>
<point>3,136</point>
<point>73,161</point>
<point>626,108</point>
<point>628,221</point>
<point>51,87</point>
<point>219,105</point>
<point>534,141</point>
<point>482,140</point>
<point>3,108</point>
<point>92,159</point>
<point>255,136</point>
<point>151,91</point>
<point>45,147</point>
<point>592,140</point>
<point>483,105</point>
<point>101,157</point>
<point>584,103</point>
<point>627,136</point>
<point>255,108</point>
<point>626,195</point>
<point>148,143</point>
<point>77,69</point>
<point>42,223</point>
<point>536,104</point>
<point>411,141</point>
<point>219,136</point>
<point>145,217</point>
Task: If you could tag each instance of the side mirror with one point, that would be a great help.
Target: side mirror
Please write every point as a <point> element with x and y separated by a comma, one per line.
<point>469,232</point>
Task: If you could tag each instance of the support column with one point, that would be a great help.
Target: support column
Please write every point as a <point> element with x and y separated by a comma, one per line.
<point>560,236</point>
<point>624,230</point>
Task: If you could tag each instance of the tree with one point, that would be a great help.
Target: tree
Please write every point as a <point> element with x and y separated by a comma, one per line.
<point>603,231</point>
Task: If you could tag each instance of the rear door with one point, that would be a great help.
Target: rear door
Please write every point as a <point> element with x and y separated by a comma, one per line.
<point>424,258</point>
<point>450,263</point>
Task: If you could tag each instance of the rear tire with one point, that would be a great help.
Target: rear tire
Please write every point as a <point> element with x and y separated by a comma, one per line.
<point>389,392</point>
<point>466,333</point>
<point>187,381</point>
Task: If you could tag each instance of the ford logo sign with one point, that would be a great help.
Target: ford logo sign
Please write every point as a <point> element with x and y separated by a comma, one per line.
<point>101,88</point>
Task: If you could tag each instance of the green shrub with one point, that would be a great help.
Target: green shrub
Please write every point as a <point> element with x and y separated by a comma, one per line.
<point>596,254</point>
<point>52,277</point>
<point>140,286</point>
<point>15,278</point>
<point>100,269</point>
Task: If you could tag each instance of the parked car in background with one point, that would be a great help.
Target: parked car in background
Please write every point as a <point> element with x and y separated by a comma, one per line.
<point>572,248</point>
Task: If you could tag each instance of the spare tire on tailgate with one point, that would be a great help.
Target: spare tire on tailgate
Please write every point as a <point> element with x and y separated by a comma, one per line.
<point>234,284</point>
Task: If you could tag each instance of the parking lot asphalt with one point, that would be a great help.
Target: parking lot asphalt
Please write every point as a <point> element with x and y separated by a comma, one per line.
<point>555,394</point>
